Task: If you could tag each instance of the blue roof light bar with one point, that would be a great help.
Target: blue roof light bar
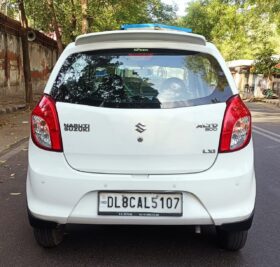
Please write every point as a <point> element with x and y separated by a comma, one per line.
<point>154,26</point>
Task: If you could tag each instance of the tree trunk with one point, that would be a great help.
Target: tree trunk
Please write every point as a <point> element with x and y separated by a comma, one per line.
<point>84,5</point>
<point>55,26</point>
<point>73,21</point>
<point>25,56</point>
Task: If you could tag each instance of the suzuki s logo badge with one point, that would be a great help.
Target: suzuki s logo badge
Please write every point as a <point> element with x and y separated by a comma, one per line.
<point>140,128</point>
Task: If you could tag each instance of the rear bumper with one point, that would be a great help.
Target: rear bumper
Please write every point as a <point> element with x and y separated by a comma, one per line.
<point>236,226</point>
<point>222,195</point>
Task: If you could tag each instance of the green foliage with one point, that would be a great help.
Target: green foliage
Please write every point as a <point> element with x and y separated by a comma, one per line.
<point>265,63</point>
<point>272,7</point>
<point>240,29</point>
<point>199,19</point>
<point>102,14</point>
<point>9,8</point>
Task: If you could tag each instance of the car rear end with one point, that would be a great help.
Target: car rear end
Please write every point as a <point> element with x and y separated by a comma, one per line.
<point>141,128</point>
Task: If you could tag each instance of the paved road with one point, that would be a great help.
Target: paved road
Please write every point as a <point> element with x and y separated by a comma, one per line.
<point>149,246</point>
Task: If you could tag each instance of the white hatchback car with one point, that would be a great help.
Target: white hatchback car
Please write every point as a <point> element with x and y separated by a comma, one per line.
<point>145,127</point>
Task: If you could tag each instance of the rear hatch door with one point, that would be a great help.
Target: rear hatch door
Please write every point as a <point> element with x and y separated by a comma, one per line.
<point>141,111</point>
<point>157,141</point>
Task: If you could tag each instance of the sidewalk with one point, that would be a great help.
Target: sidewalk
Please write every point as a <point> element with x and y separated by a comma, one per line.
<point>10,104</point>
<point>272,101</point>
<point>14,127</point>
<point>14,121</point>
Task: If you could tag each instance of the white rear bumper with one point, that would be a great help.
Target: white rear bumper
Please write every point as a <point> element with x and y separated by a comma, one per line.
<point>223,194</point>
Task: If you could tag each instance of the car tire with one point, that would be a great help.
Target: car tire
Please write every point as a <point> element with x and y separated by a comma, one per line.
<point>231,240</point>
<point>49,237</point>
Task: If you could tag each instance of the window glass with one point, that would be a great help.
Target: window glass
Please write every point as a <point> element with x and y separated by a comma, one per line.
<point>141,78</point>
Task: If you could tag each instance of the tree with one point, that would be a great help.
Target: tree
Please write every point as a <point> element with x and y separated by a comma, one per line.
<point>238,28</point>
<point>9,8</point>
<point>199,19</point>
<point>73,17</point>
<point>55,25</point>
<point>69,18</point>
<point>271,7</point>
<point>265,63</point>
<point>25,55</point>
<point>84,6</point>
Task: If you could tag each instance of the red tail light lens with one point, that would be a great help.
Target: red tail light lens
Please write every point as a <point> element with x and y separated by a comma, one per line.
<point>45,130</point>
<point>236,129</point>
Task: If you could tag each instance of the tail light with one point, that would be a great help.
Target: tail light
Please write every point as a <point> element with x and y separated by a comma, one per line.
<point>45,130</point>
<point>236,129</point>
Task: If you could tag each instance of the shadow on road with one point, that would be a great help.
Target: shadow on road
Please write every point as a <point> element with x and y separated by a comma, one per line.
<point>143,246</point>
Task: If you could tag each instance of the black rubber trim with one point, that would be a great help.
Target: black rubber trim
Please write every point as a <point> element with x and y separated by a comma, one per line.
<point>39,223</point>
<point>238,226</point>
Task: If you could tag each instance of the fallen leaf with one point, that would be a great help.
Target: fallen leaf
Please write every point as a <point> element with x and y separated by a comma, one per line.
<point>15,194</point>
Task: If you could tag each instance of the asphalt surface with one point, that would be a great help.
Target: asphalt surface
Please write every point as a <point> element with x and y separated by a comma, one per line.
<point>148,246</point>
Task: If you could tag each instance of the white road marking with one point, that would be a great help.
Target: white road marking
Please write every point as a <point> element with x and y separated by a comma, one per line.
<point>267,136</point>
<point>266,131</point>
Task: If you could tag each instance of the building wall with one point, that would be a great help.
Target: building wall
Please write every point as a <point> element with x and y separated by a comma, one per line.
<point>42,61</point>
<point>11,76</point>
<point>42,52</point>
<point>252,85</point>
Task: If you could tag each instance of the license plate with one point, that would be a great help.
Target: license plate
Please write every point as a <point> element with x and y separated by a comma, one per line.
<point>140,204</point>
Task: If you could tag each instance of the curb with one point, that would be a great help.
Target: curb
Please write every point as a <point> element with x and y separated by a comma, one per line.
<point>13,147</point>
<point>11,108</point>
<point>275,103</point>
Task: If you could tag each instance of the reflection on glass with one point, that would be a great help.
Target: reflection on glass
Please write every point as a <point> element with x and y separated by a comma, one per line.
<point>158,79</point>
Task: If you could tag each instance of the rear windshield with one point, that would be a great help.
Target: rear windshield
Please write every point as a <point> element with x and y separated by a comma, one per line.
<point>141,78</point>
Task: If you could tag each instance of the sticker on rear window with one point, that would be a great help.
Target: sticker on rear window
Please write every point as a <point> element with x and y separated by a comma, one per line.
<point>140,49</point>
